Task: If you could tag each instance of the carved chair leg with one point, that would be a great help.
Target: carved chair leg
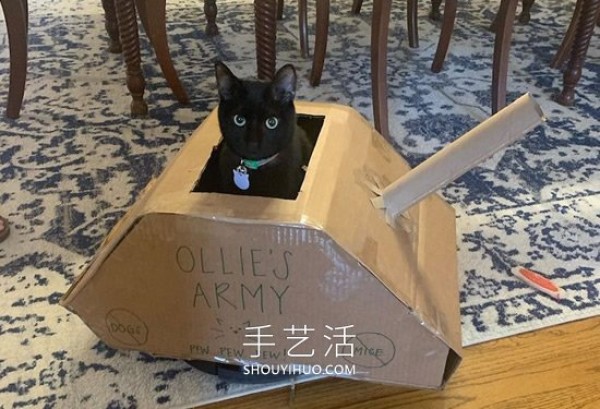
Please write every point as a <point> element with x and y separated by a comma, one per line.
<point>279,9</point>
<point>356,6</point>
<point>128,33</point>
<point>590,10</point>
<point>210,12</point>
<point>265,16</point>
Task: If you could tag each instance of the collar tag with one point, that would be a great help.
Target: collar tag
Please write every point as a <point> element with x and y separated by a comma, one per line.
<point>241,178</point>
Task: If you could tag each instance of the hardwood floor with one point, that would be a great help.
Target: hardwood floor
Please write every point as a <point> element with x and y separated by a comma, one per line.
<point>554,368</point>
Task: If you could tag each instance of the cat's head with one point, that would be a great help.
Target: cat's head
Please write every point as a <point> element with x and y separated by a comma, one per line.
<point>257,119</point>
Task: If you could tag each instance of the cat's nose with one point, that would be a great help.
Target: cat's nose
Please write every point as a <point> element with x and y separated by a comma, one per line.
<point>253,146</point>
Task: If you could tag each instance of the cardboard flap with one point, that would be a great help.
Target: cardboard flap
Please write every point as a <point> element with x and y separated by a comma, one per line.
<point>496,132</point>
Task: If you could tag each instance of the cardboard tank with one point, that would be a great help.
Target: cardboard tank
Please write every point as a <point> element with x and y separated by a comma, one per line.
<point>359,270</point>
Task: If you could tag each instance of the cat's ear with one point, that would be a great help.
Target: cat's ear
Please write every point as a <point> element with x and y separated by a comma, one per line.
<point>284,85</point>
<point>227,83</point>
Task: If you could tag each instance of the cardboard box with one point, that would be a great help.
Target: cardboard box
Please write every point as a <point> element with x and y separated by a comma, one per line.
<point>188,273</point>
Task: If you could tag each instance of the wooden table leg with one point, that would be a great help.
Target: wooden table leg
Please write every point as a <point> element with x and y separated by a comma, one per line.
<point>265,19</point>
<point>128,33</point>
<point>589,14</point>
<point>379,38</point>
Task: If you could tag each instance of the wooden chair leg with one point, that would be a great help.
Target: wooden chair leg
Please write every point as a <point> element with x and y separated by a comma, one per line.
<point>128,34</point>
<point>155,25</point>
<point>303,27</point>
<point>494,26</point>
<point>506,17</point>
<point>435,14</point>
<point>112,27</point>
<point>567,42</point>
<point>320,42</point>
<point>411,22</point>
<point>210,12</point>
<point>356,6</point>
<point>379,38</point>
<point>445,35</point>
<point>265,21</point>
<point>279,9</point>
<point>590,10</point>
<point>16,18</point>
<point>525,15</point>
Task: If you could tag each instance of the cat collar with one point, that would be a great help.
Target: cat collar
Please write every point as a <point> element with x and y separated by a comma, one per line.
<point>255,164</point>
<point>241,177</point>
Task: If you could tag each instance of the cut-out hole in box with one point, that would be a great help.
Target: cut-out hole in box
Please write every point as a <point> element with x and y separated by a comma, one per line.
<point>208,181</point>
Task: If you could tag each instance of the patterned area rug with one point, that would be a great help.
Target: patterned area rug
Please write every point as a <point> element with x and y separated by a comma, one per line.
<point>75,162</point>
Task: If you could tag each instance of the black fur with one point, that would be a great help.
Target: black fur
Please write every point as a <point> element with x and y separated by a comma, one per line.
<point>257,102</point>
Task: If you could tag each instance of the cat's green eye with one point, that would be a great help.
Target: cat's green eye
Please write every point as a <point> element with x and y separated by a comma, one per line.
<point>272,122</point>
<point>239,120</point>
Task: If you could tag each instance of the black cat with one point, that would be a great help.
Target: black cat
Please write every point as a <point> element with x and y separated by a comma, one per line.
<point>264,151</point>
